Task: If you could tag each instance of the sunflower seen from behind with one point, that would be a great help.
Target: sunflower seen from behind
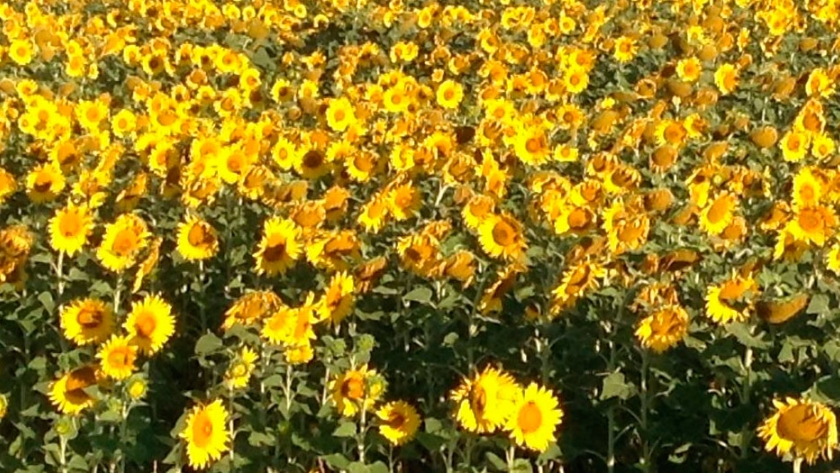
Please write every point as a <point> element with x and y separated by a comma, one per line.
<point>197,239</point>
<point>206,434</point>
<point>800,428</point>
<point>87,321</point>
<point>150,324</point>
<point>398,422</point>
<point>70,228</point>
<point>535,418</point>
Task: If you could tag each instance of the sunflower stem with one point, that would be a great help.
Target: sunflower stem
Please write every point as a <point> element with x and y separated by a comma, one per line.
<point>360,438</point>
<point>510,455</point>
<point>797,465</point>
<point>117,294</point>
<point>62,446</point>
<point>59,266</point>
<point>230,429</point>
<point>289,394</point>
<point>746,432</point>
<point>645,401</point>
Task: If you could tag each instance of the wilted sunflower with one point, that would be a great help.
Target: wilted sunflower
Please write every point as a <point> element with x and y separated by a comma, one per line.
<point>87,321</point>
<point>69,229</point>
<point>802,428</point>
<point>730,301</point>
<point>251,307</point>
<point>398,422</point>
<point>534,418</point>
<point>206,434</point>
<point>239,372</point>
<point>485,402</point>
<point>117,357</point>
<point>663,329</point>
<point>122,242</point>
<point>354,387</point>
<point>68,392</point>
<point>501,237</point>
<point>150,324</point>
<point>197,240</point>
<point>279,247</point>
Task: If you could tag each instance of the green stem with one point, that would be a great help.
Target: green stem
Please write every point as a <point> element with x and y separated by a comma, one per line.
<point>510,455</point>
<point>360,438</point>
<point>62,445</point>
<point>290,396</point>
<point>797,465</point>
<point>645,400</point>
<point>117,294</point>
<point>746,432</point>
<point>60,274</point>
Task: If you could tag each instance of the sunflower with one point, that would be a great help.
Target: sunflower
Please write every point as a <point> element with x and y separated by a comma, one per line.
<point>718,213</point>
<point>478,208</point>
<point>87,321</point>
<point>485,402</point>
<point>70,394</point>
<point>117,357</point>
<point>279,247</point>
<point>197,239</point>
<point>44,183</point>
<point>403,201</point>
<point>807,189</point>
<point>206,434</point>
<point>812,225</point>
<point>339,298</point>
<point>795,145</point>
<point>69,229</point>
<point>534,418</point>
<point>449,94</point>
<point>730,301</point>
<point>399,422</point>
<point>150,324</point>
<point>689,69</point>
<point>21,51</point>
<point>239,373</point>
<point>251,307</point>
<point>726,78</point>
<point>663,329</point>
<point>354,388</point>
<point>340,114</point>
<point>501,235</point>
<point>122,242</point>
<point>832,259</point>
<point>802,428</point>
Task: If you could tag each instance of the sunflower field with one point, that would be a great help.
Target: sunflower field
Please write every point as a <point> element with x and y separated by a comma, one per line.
<point>409,236</point>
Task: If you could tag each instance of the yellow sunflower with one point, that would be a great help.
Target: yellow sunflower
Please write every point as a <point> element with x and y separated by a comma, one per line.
<point>449,94</point>
<point>501,236</point>
<point>534,418</point>
<point>150,324</point>
<point>801,428</point>
<point>87,321</point>
<point>70,228</point>
<point>731,301</point>
<point>251,307</point>
<point>398,422</point>
<point>485,402</point>
<point>279,248</point>
<point>807,189</point>
<point>718,213</point>
<point>339,298</point>
<point>354,388</point>
<point>812,225</point>
<point>340,114</point>
<point>117,357</point>
<point>68,393</point>
<point>122,242</point>
<point>239,372</point>
<point>197,240</point>
<point>44,183</point>
<point>795,145</point>
<point>663,329</point>
<point>206,434</point>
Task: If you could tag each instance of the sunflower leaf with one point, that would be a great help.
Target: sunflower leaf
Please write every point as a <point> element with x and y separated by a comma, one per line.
<point>616,386</point>
<point>345,429</point>
<point>207,344</point>
<point>420,294</point>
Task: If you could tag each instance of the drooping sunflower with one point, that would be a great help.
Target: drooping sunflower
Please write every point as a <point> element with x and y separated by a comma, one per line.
<point>485,402</point>
<point>355,388</point>
<point>70,228</point>
<point>68,393</point>
<point>802,428</point>
<point>239,372</point>
<point>279,248</point>
<point>87,321</point>
<point>663,329</point>
<point>534,418</point>
<point>122,242</point>
<point>398,422</point>
<point>732,300</point>
<point>251,307</point>
<point>718,213</point>
<point>206,434</point>
<point>117,357</point>
<point>338,299</point>
<point>501,236</point>
<point>197,239</point>
<point>150,324</point>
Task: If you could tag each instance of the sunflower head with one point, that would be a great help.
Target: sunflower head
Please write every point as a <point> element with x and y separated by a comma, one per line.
<point>197,239</point>
<point>398,422</point>
<point>801,428</point>
<point>87,321</point>
<point>356,389</point>
<point>70,228</point>
<point>206,434</point>
<point>150,324</point>
<point>70,393</point>
<point>534,418</point>
<point>485,402</point>
<point>117,357</point>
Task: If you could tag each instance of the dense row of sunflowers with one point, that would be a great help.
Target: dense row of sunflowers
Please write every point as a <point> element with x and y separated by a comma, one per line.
<point>373,236</point>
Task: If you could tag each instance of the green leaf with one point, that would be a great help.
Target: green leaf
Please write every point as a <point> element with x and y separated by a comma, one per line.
<point>552,453</point>
<point>741,331</point>
<point>616,386</point>
<point>433,425</point>
<point>497,462</point>
<point>337,461</point>
<point>357,467</point>
<point>207,344</point>
<point>431,442</point>
<point>819,304</point>
<point>47,300</point>
<point>378,467</point>
<point>420,294</point>
<point>345,429</point>
<point>258,439</point>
